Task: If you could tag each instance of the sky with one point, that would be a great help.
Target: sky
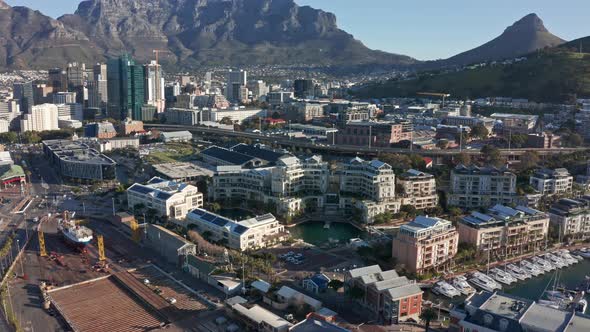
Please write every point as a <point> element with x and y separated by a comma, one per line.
<point>424,29</point>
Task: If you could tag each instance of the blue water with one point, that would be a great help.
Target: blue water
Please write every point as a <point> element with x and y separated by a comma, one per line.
<point>313,232</point>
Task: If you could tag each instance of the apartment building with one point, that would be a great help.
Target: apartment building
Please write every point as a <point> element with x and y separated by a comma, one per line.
<point>516,123</point>
<point>167,198</point>
<point>373,180</point>
<point>474,187</point>
<point>249,234</point>
<point>183,116</point>
<point>426,243</point>
<point>303,111</point>
<point>572,217</point>
<point>419,189</point>
<point>390,298</point>
<point>552,182</point>
<point>373,134</point>
<point>288,184</point>
<point>41,118</point>
<point>505,231</point>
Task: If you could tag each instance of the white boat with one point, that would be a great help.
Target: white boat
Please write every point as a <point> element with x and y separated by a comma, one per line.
<point>502,276</point>
<point>445,289</point>
<point>74,234</point>
<point>540,262</point>
<point>560,263</point>
<point>484,282</point>
<point>577,257</point>
<point>582,305</point>
<point>517,272</point>
<point>460,283</point>
<point>531,268</point>
<point>566,256</point>
<point>584,253</point>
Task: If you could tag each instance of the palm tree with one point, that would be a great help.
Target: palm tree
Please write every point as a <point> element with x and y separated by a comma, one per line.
<point>427,316</point>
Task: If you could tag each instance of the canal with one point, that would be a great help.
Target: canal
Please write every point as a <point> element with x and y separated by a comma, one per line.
<point>313,232</point>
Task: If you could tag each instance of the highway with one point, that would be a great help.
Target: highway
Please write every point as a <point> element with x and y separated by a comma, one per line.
<point>346,149</point>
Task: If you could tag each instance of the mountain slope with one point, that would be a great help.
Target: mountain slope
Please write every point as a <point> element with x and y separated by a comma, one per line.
<point>194,32</point>
<point>523,37</point>
<point>551,75</point>
<point>27,36</point>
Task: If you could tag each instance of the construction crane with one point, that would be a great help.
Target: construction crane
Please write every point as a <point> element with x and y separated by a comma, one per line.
<point>42,250</point>
<point>157,79</point>
<point>101,254</point>
<point>435,94</point>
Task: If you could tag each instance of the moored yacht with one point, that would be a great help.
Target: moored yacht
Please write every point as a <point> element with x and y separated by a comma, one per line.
<point>531,268</point>
<point>540,262</point>
<point>460,283</point>
<point>558,262</point>
<point>584,252</point>
<point>566,256</point>
<point>445,289</point>
<point>502,276</point>
<point>517,272</point>
<point>484,282</point>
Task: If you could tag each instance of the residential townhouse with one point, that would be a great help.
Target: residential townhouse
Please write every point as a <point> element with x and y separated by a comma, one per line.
<point>505,231</point>
<point>390,298</point>
<point>475,187</point>
<point>426,243</point>
<point>167,198</point>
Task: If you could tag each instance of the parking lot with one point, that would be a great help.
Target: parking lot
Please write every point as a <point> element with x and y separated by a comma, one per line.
<point>307,259</point>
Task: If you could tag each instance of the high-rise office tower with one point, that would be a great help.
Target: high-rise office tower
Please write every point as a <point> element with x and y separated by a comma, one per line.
<point>235,81</point>
<point>304,88</point>
<point>154,86</point>
<point>99,72</point>
<point>23,92</point>
<point>76,75</point>
<point>126,88</point>
<point>58,79</point>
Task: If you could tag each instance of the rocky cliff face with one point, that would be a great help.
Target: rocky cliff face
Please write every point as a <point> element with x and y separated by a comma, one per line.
<point>525,36</point>
<point>194,32</point>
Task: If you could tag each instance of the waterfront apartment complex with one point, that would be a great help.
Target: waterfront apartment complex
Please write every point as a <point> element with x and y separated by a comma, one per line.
<point>505,231</point>
<point>389,297</point>
<point>167,198</point>
<point>551,182</point>
<point>572,217</point>
<point>426,243</point>
<point>475,187</point>
<point>373,180</point>
<point>249,234</point>
<point>419,189</point>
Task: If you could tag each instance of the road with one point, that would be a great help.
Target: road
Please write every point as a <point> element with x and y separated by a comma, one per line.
<point>347,149</point>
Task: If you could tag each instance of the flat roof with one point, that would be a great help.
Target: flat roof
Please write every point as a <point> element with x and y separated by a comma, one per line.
<point>182,170</point>
<point>258,151</point>
<point>77,151</point>
<point>506,305</point>
<point>226,155</point>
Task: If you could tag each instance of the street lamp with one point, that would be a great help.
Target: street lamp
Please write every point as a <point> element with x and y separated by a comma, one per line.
<point>22,268</point>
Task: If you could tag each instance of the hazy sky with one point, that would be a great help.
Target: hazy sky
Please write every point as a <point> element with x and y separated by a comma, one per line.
<point>424,29</point>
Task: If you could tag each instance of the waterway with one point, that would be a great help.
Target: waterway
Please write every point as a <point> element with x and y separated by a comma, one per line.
<point>313,232</point>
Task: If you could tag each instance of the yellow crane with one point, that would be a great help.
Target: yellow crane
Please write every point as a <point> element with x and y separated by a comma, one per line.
<point>135,231</point>
<point>101,254</point>
<point>42,250</point>
<point>435,94</point>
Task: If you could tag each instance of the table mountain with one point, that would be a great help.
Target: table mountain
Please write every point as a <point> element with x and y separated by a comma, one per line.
<point>194,32</point>
<point>523,37</point>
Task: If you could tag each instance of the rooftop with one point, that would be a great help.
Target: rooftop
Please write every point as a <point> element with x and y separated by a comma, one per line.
<point>257,313</point>
<point>475,170</point>
<point>501,214</point>
<point>237,227</point>
<point>312,324</point>
<point>258,151</point>
<point>182,170</point>
<point>231,157</point>
<point>77,151</point>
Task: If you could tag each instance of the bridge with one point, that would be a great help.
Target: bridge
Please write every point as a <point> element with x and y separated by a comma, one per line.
<point>511,154</point>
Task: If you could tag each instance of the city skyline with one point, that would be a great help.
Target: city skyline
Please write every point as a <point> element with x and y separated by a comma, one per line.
<point>385,28</point>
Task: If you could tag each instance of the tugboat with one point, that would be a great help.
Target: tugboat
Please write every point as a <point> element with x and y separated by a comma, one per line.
<point>75,235</point>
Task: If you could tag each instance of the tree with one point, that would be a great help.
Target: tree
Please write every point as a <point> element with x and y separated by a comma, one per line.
<point>335,284</point>
<point>492,155</point>
<point>463,159</point>
<point>8,138</point>
<point>517,140</point>
<point>356,293</point>
<point>529,160</point>
<point>574,140</point>
<point>226,121</point>
<point>31,137</point>
<point>479,131</point>
<point>427,316</point>
<point>442,144</point>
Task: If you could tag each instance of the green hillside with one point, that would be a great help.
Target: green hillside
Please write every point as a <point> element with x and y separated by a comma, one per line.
<point>551,75</point>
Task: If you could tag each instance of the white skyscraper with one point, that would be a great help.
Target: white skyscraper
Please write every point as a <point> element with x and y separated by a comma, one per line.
<point>154,86</point>
<point>43,117</point>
